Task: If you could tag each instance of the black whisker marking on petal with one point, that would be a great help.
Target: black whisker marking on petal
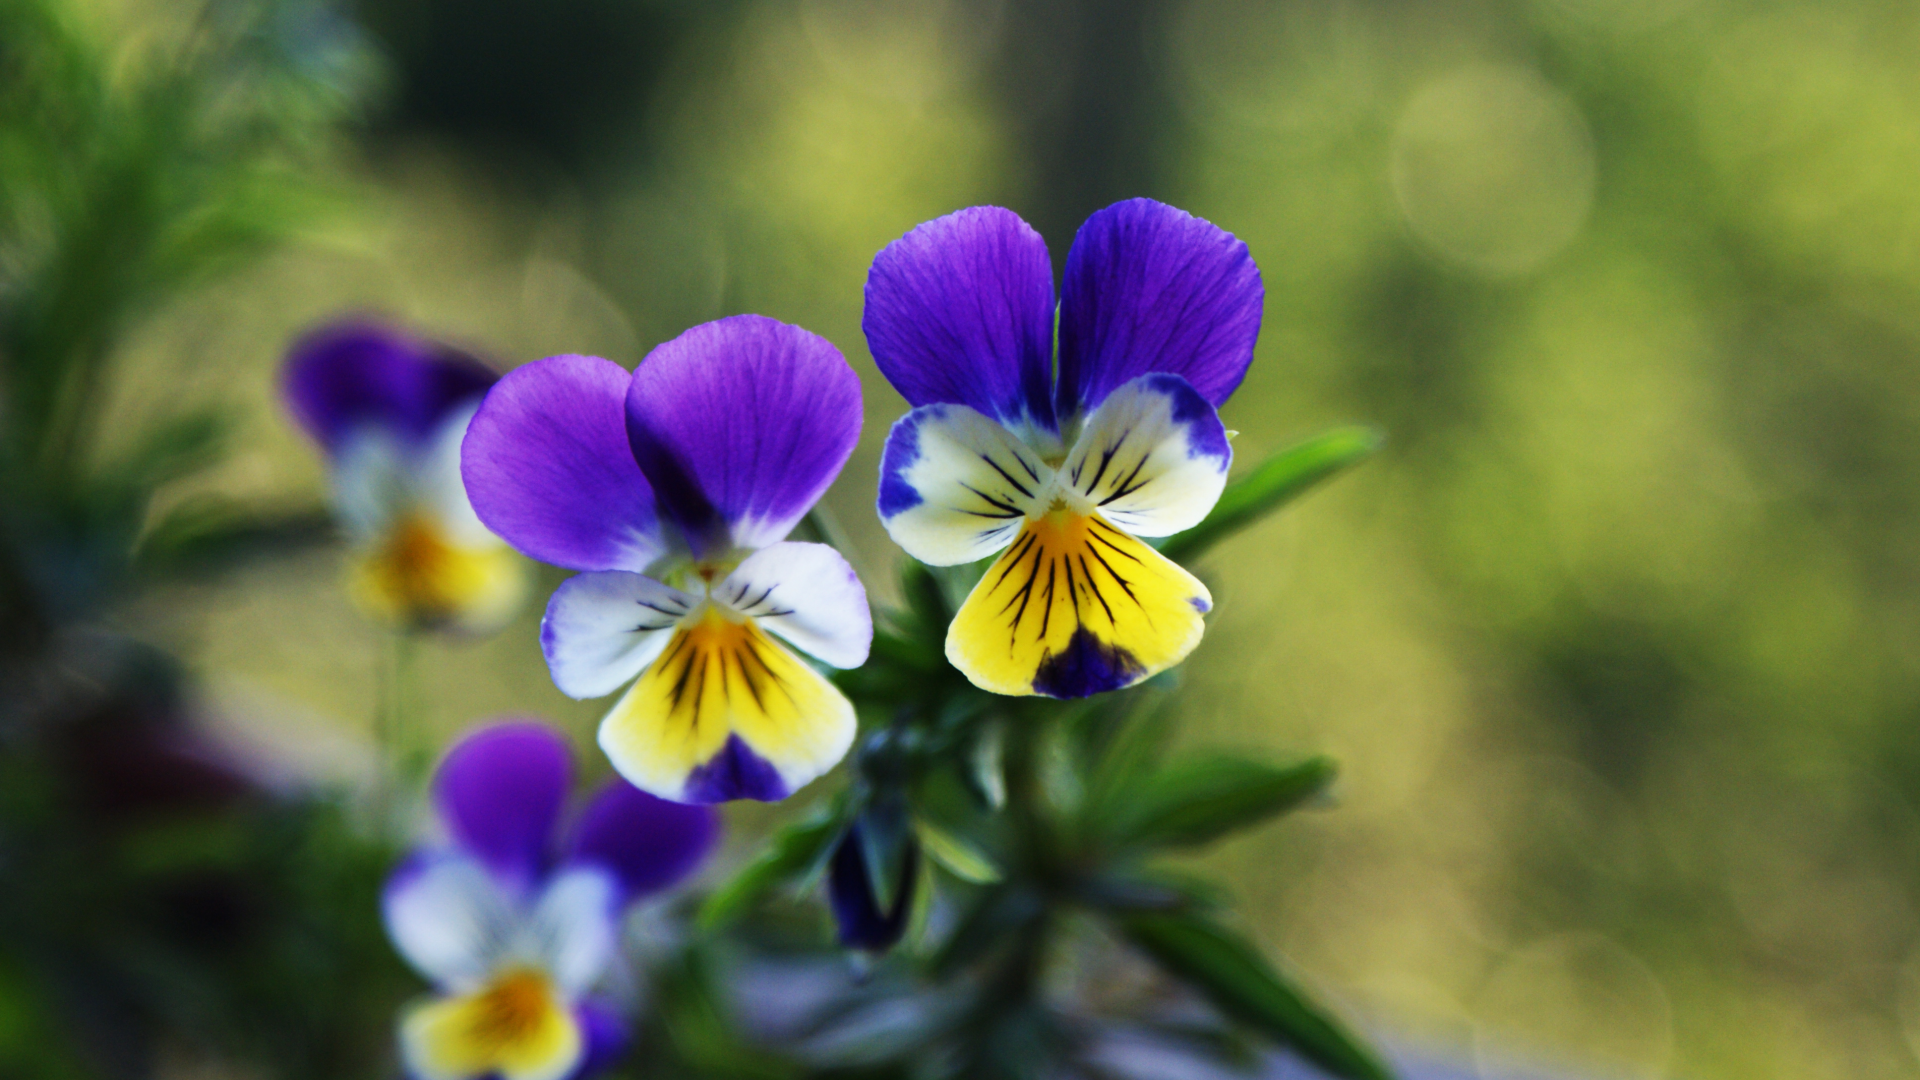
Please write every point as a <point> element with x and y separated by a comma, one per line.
<point>1106,458</point>
<point>1017,485</point>
<point>651,606</point>
<point>1094,586</point>
<point>1046,616</point>
<point>1115,575</point>
<point>1013,560</point>
<point>997,504</point>
<point>747,676</point>
<point>994,517</point>
<point>1021,458</point>
<point>1101,524</point>
<point>1127,487</point>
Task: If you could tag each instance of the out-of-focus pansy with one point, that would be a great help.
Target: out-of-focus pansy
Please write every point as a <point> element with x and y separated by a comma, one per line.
<point>673,489</point>
<point>864,920</point>
<point>389,410</point>
<point>1062,468</point>
<point>514,924</point>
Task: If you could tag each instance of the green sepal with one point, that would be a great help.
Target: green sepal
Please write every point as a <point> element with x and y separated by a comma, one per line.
<point>1272,484</point>
<point>1200,799</point>
<point>1227,969</point>
<point>795,852</point>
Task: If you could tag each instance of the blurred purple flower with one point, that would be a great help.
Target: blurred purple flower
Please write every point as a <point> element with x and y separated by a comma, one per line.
<point>389,410</point>
<point>1157,321</point>
<point>863,922</point>
<point>516,925</point>
<point>673,488</point>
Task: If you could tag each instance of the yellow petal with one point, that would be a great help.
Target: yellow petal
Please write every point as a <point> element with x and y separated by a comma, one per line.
<point>517,1026</point>
<point>1076,607</point>
<point>727,713</point>
<point>418,577</point>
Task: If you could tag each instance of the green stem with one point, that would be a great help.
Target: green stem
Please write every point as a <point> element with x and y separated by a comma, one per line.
<point>394,735</point>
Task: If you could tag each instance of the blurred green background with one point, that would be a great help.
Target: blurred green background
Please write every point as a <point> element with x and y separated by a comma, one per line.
<point>1618,641</point>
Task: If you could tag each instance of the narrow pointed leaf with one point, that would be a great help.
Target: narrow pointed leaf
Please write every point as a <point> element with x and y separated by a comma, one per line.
<point>1199,800</point>
<point>961,858</point>
<point>1271,485</point>
<point>1228,970</point>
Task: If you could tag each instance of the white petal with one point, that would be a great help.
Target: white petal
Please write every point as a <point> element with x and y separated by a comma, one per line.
<point>371,482</point>
<point>575,928</point>
<point>954,485</point>
<point>437,487</point>
<point>807,594</point>
<point>603,628</point>
<point>1152,458</point>
<point>448,918</point>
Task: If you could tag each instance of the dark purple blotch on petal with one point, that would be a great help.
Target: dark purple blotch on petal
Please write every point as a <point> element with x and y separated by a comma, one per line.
<point>856,910</point>
<point>1087,666</point>
<point>548,468</point>
<point>353,373</point>
<point>607,1032</point>
<point>736,772</point>
<point>500,791</point>
<point>648,843</point>
<point>1206,435</point>
<point>960,310</point>
<point>901,452</point>
<point>1150,288</point>
<point>740,424</point>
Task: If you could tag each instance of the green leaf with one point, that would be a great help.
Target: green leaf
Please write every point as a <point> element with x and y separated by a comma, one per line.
<point>960,856</point>
<point>1228,970</point>
<point>1271,485</point>
<point>209,535</point>
<point>1199,800</point>
<point>793,852</point>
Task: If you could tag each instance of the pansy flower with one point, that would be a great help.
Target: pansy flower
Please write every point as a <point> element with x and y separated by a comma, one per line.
<point>514,929</point>
<point>389,410</point>
<point>674,488</point>
<point>1060,467</point>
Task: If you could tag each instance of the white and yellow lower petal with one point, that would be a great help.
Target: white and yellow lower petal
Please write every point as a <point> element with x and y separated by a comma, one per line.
<point>725,712</point>
<point>955,485</point>
<point>1076,607</point>
<point>1152,458</point>
<point>517,1026</point>
<point>418,575</point>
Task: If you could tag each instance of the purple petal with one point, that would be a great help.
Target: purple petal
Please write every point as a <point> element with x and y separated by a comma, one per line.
<point>500,791</point>
<point>1153,289</point>
<point>548,468</point>
<point>960,311</point>
<point>649,844</point>
<point>347,374</point>
<point>736,772</point>
<point>740,425</point>
<point>608,1035</point>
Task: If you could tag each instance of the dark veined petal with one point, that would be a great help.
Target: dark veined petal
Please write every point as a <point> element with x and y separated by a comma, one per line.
<point>727,713</point>
<point>358,373</point>
<point>740,425</point>
<point>500,791</point>
<point>1149,288</point>
<point>1152,458</point>
<point>548,468</point>
<point>807,595</point>
<point>1074,608</point>
<point>960,311</point>
<point>955,485</point>
<point>602,629</point>
<point>647,843</point>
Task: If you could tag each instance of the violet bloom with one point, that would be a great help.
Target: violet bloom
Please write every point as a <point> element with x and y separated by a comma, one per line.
<point>390,410</point>
<point>1062,467</point>
<point>515,930</point>
<point>673,488</point>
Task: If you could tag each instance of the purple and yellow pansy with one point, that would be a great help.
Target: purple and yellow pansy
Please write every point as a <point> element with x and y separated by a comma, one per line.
<point>515,923</point>
<point>389,410</point>
<point>1060,467</point>
<point>672,489</point>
